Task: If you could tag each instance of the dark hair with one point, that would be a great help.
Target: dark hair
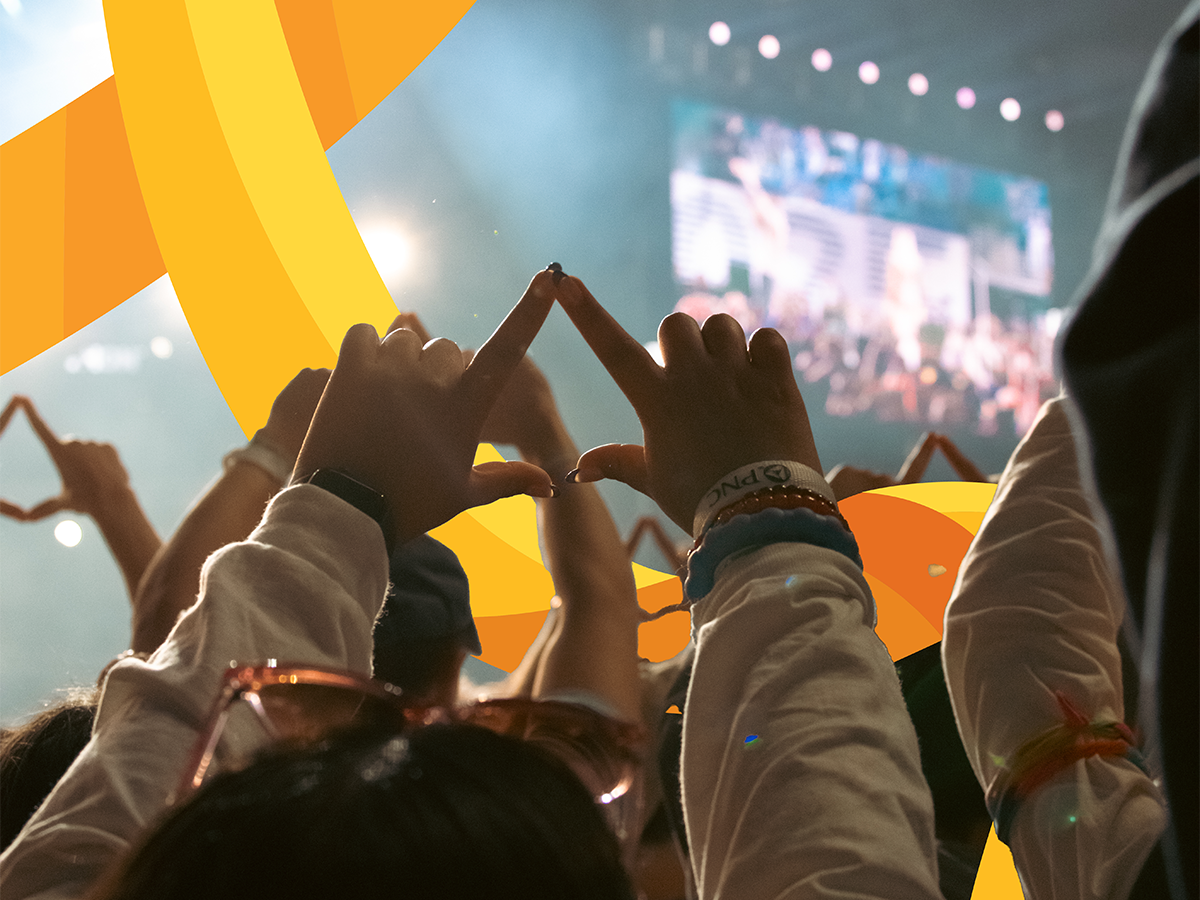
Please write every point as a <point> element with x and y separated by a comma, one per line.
<point>447,811</point>
<point>35,755</point>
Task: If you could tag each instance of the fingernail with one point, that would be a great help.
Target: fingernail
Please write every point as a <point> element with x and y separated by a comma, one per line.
<point>584,475</point>
<point>554,490</point>
<point>557,270</point>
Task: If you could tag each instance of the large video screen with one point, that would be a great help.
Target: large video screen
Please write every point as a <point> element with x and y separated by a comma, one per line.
<point>913,287</point>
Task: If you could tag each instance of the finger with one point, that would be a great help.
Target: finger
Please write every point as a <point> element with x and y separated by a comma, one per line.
<point>42,430</point>
<point>47,508</point>
<point>488,372</point>
<point>12,511</point>
<point>620,462</point>
<point>491,481</point>
<point>442,361</point>
<point>411,321</point>
<point>724,338</point>
<point>360,340</point>
<point>628,362</point>
<point>403,344</point>
<point>13,405</point>
<point>680,340</point>
<point>769,354</point>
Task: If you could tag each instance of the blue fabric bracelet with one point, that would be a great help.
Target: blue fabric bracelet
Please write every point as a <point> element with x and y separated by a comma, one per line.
<point>767,526</point>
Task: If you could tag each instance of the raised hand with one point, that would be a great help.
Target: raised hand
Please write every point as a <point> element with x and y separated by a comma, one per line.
<point>404,416</point>
<point>91,472</point>
<point>292,412</point>
<point>715,405</point>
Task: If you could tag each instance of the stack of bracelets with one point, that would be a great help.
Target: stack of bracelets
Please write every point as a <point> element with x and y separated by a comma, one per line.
<point>1041,758</point>
<point>760,504</point>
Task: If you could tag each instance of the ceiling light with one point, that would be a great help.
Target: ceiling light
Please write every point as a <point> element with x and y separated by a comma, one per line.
<point>719,33</point>
<point>768,46</point>
<point>822,59</point>
<point>965,97</point>
<point>918,84</point>
<point>1055,120</point>
<point>868,72</point>
<point>1010,109</point>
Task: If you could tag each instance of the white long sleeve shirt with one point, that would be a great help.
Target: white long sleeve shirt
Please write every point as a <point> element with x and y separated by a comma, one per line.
<point>1036,609</point>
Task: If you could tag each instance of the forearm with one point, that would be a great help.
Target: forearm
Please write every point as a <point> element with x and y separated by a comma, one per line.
<point>305,588</point>
<point>1035,612</point>
<point>801,773</point>
<point>226,513</point>
<point>129,535</point>
<point>594,647</point>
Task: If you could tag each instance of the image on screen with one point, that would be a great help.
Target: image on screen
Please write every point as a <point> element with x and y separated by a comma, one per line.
<point>912,287</point>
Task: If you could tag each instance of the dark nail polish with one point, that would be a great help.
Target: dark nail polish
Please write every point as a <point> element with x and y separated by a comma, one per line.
<point>571,476</point>
<point>557,270</point>
<point>554,490</point>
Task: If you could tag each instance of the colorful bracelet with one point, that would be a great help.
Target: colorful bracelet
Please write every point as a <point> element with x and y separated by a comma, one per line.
<point>766,526</point>
<point>782,496</point>
<point>751,479</point>
<point>1039,759</point>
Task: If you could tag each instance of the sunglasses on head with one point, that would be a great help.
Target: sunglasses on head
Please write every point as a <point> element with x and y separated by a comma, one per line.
<point>300,706</point>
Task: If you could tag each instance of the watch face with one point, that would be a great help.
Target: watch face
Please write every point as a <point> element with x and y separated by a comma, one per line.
<point>360,496</point>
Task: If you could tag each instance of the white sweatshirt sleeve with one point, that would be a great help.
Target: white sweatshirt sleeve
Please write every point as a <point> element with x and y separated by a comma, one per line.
<point>1036,610</point>
<point>305,587</point>
<point>801,773</point>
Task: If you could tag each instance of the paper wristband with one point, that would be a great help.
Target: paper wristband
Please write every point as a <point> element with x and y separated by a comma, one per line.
<point>755,477</point>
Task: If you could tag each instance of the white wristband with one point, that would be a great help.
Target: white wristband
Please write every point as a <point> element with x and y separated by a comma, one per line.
<point>261,454</point>
<point>754,477</point>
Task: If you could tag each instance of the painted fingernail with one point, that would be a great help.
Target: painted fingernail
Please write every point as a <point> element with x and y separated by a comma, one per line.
<point>554,490</point>
<point>557,270</point>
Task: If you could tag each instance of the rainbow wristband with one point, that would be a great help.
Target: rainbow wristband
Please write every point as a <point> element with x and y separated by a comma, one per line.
<point>767,526</point>
<point>1039,759</point>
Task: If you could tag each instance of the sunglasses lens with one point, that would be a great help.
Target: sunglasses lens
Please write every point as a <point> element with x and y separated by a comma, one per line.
<point>304,714</point>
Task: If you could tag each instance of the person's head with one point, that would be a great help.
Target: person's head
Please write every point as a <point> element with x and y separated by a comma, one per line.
<point>35,755</point>
<point>425,629</point>
<point>445,811</point>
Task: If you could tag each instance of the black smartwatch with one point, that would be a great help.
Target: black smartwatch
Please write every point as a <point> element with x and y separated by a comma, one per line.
<point>362,497</point>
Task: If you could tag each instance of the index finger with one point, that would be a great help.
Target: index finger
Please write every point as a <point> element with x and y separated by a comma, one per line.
<point>628,362</point>
<point>495,361</point>
<point>9,410</point>
<point>42,430</point>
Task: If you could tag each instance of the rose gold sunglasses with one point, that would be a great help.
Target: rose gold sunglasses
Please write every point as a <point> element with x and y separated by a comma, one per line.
<point>301,705</point>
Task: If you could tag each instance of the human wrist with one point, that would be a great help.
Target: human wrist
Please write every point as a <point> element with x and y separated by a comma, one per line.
<point>263,453</point>
<point>760,478</point>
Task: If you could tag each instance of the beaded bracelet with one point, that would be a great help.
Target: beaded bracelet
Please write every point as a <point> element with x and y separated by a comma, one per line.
<point>1042,757</point>
<point>767,526</point>
<point>752,478</point>
<point>781,496</point>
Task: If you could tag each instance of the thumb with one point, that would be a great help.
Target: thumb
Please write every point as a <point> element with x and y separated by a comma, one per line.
<point>621,462</point>
<point>494,480</point>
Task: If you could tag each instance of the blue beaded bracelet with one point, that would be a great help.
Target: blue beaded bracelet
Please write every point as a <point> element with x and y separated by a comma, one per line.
<point>767,526</point>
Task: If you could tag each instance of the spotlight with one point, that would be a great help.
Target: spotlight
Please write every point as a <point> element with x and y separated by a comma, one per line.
<point>768,46</point>
<point>868,72</point>
<point>918,84</point>
<point>965,97</point>
<point>719,33</point>
<point>68,533</point>
<point>389,250</point>
<point>1054,120</point>
<point>1010,109</point>
<point>822,59</point>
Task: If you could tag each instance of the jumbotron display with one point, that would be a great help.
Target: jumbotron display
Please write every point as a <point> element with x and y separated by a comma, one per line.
<point>913,287</point>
